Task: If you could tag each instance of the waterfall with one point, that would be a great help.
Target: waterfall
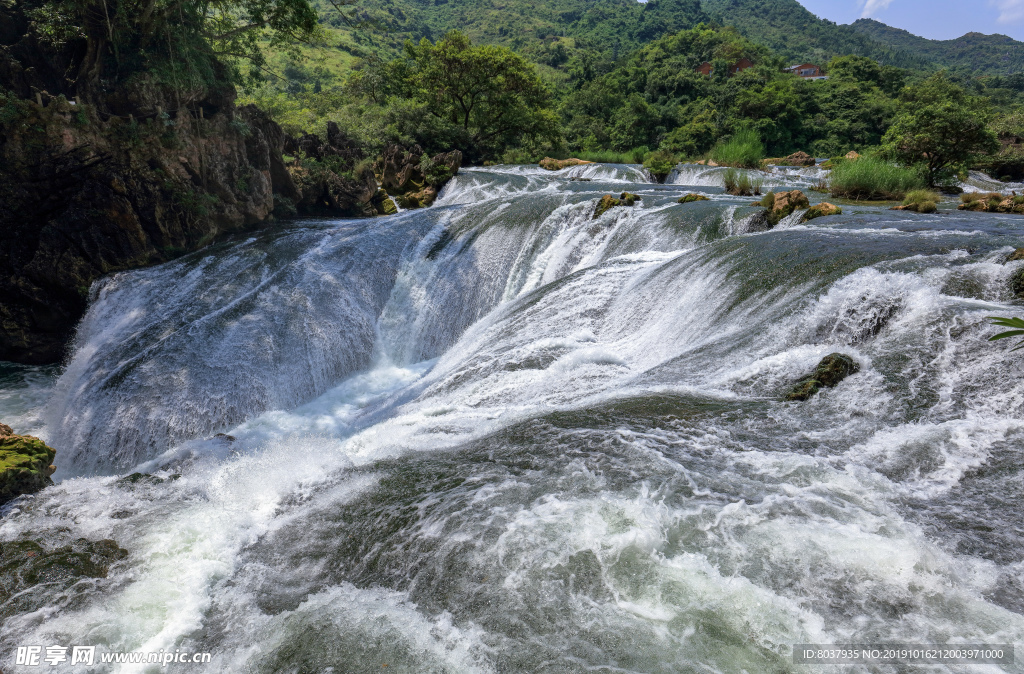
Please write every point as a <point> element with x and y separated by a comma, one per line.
<point>502,435</point>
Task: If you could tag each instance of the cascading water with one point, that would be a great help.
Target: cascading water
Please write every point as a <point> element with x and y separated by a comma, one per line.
<point>499,435</point>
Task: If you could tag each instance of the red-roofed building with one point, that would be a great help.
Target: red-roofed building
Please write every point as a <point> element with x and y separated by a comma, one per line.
<point>808,71</point>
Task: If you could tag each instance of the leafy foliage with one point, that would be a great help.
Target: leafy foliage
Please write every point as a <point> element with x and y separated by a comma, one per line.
<point>942,127</point>
<point>1018,331</point>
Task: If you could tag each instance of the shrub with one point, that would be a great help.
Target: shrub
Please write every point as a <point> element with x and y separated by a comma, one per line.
<point>743,149</point>
<point>873,178</point>
<point>660,163</point>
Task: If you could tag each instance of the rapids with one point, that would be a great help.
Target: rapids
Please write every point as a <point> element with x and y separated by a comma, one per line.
<point>497,435</point>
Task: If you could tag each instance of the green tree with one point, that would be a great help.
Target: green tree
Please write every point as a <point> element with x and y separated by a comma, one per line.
<point>942,127</point>
<point>491,92</point>
<point>180,42</point>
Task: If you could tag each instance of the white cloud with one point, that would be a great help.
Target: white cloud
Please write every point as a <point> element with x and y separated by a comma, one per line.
<point>1010,11</point>
<point>872,6</point>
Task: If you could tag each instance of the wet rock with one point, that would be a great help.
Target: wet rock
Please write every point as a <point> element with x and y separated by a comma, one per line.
<point>608,201</point>
<point>821,210</point>
<point>1017,283</point>
<point>692,197</point>
<point>130,481</point>
<point>832,369</point>
<point>783,204</point>
<point>31,575</point>
<point>757,222</point>
<point>1015,255</point>
<point>26,464</point>
<point>558,164</point>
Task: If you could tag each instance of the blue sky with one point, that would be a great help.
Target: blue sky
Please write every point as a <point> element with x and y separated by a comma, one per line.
<point>936,19</point>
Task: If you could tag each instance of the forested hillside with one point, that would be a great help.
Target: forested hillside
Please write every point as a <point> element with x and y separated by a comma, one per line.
<point>973,53</point>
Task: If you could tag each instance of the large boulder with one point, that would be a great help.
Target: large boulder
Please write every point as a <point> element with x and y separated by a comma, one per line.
<point>832,369</point>
<point>26,464</point>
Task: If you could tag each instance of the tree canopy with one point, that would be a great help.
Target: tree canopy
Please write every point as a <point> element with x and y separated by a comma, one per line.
<point>942,127</point>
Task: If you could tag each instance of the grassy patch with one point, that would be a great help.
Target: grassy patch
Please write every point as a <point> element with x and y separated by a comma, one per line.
<point>741,184</point>
<point>873,179</point>
<point>743,149</point>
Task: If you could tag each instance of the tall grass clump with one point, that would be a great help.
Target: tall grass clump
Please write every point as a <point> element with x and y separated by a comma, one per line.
<point>874,178</point>
<point>741,184</point>
<point>742,149</point>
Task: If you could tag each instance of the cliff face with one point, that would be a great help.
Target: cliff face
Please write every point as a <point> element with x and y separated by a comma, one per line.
<point>85,192</point>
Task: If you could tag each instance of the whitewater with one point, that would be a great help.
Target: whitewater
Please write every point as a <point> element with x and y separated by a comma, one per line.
<point>499,435</point>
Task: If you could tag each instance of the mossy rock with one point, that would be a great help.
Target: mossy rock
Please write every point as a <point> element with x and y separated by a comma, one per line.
<point>550,164</point>
<point>782,204</point>
<point>383,204</point>
<point>608,201</point>
<point>25,464</point>
<point>821,210</point>
<point>1017,283</point>
<point>692,197</point>
<point>31,574</point>
<point>1015,255</point>
<point>832,369</point>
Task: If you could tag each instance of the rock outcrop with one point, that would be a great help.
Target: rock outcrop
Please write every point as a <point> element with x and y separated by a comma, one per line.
<point>821,210</point>
<point>86,192</point>
<point>783,204</point>
<point>26,464</point>
<point>1015,255</point>
<point>413,178</point>
<point>832,369</point>
<point>559,164</point>
<point>608,201</point>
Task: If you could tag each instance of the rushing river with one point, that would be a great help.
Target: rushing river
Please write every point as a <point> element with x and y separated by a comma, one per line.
<point>498,435</point>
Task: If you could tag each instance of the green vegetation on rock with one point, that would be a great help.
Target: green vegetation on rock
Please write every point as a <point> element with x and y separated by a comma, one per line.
<point>26,464</point>
<point>608,201</point>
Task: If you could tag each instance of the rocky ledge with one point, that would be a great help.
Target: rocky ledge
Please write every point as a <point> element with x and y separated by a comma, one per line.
<point>558,164</point>
<point>26,464</point>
